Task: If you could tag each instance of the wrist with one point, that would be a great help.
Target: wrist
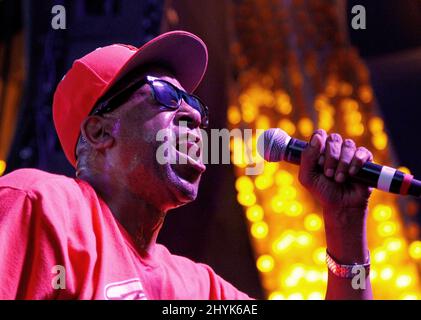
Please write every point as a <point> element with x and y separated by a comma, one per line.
<point>344,219</point>
<point>346,236</point>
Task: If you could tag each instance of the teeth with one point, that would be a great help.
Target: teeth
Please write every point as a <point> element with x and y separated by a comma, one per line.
<point>186,146</point>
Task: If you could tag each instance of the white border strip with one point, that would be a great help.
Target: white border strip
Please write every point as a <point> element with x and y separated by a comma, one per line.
<point>385,179</point>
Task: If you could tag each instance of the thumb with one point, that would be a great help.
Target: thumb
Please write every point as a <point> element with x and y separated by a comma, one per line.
<point>310,157</point>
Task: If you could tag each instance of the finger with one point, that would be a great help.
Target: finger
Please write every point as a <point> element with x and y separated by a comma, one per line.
<point>361,156</point>
<point>332,154</point>
<point>347,154</point>
<point>321,161</point>
<point>310,156</point>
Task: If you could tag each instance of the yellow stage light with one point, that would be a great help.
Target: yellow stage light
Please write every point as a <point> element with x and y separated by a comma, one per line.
<point>379,141</point>
<point>291,282</point>
<point>404,170</point>
<point>246,199</point>
<point>355,130</point>
<point>320,102</point>
<point>409,296</point>
<point>288,192</point>
<point>259,230</point>
<point>2,167</point>
<point>415,250</point>
<point>324,276</point>
<point>296,296</point>
<point>403,281</point>
<point>234,115</point>
<point>305,126</point>
<point>380,255</point>
<point>284,242</point>
<point>353,117</point>
<point>288,126</point>
<point>278,204</point>
<point>265,263</point>
<point>366,94</point>
<point>331,90</point>
<point>262,122</point>
<point>382,212</point>
<point>325,120</point>
<point>270,168</point>
<point>284,178</point>
<point>345,89</point>
<point>294,209</point>
<point>249,111</point>
<point>298,271</point>
<point>244,184</point>
<point>303,239</point>
<point>312,276</point>
<point>387,273</point>
<point>319,256</point>
<point>283,102</point>
<point>255,213</point>
<point>237,155</point>
<point>263,182</point>
<point>313,222</point>
<point>315,296</point>
<point>349,106</point>
<point>386,229</point>
<point>376,125</point>
<point>276,295</point>
<point>394,244</point>
<point>373,274</point>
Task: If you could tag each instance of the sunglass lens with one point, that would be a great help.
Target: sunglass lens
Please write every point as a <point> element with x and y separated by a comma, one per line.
<point>166,94</point>
<point>195,103</point>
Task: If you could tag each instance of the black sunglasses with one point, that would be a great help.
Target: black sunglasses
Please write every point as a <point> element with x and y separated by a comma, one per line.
<point>164,92</point>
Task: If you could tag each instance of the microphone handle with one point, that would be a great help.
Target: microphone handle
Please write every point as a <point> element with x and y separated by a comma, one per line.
<point>371,174</point>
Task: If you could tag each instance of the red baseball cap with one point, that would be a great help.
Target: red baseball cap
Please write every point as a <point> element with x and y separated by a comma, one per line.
<point>95,73</point>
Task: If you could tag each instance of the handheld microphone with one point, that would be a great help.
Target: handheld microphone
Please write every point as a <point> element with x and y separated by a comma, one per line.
<point>279,146</point>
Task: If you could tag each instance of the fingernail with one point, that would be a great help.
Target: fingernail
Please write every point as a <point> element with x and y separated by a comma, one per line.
<point>314,141</point>
<point>340,177</point>
<point>329,173</point>
<point>353,170</point>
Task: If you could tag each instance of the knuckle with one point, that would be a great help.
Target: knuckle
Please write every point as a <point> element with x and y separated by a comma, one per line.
<point>333,156</point>
<point>344,162</point>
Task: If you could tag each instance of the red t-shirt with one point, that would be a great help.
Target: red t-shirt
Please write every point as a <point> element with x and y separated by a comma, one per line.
<point>59,240</point>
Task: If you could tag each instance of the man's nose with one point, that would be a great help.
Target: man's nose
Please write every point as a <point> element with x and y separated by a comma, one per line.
<point>189,115</point>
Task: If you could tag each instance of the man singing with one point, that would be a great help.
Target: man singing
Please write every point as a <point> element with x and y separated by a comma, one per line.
<point>94,237</point>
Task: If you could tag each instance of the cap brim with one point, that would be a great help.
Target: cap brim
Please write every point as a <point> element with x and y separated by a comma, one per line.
<point>183,52</point>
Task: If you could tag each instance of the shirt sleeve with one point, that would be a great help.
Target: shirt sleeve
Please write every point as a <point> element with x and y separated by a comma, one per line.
<point>30,248</point>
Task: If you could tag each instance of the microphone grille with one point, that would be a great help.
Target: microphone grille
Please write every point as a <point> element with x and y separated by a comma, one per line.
<point>273,142</point>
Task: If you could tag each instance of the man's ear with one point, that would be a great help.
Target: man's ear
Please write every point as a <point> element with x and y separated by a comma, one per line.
<point>97,131</point>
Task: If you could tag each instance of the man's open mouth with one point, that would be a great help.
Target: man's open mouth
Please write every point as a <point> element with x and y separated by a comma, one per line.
<point>189,152</point>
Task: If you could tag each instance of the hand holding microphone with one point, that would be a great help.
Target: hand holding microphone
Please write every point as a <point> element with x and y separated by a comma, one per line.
<point>279,146</point>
